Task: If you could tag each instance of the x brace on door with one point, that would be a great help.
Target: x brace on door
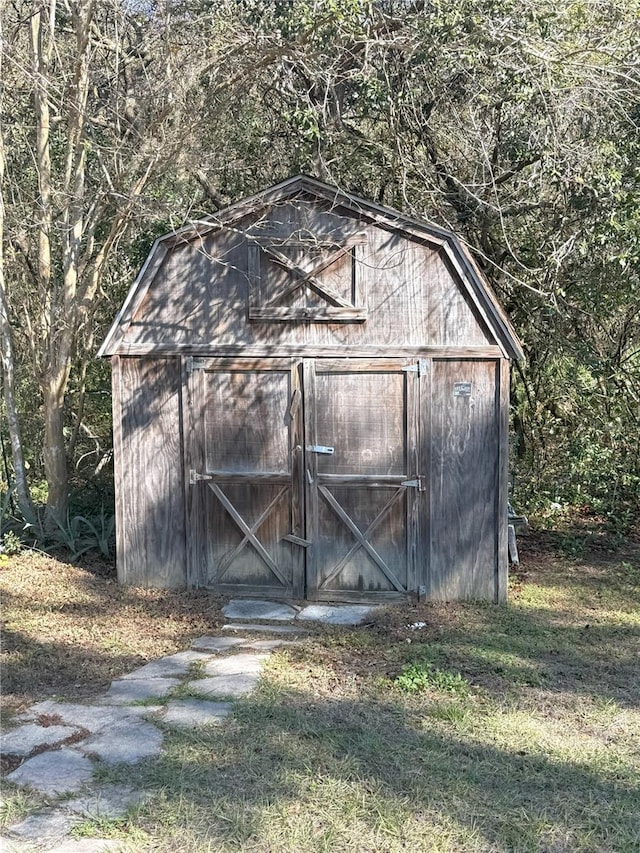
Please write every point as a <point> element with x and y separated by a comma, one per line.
<point>362,539</point>
<point>249,534</point>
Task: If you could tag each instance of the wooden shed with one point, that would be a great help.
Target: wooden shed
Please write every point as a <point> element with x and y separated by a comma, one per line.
<point>310,398</point>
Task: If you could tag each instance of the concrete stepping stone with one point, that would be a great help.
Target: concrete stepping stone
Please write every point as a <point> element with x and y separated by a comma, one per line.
<point>268,645</point>
<point>107,802</point>
<point>23,740</point>
<point>130,690</point>
<point>216,644</point>
<point>193,713</point>
<point>93,718</point>
<point>264,629</point>
<point>222,686</point>
<point>172,666</point>
<point>248,609</point>
<point>239,664</point>
<point>46,827</point>
<point>125,744</point>
<point>11,845</point>
<point>62,771</point>
<point>336,614</point>
<point>90,845</point>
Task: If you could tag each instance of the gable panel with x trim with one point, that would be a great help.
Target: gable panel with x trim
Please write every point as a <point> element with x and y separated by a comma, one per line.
<point>273,297</point>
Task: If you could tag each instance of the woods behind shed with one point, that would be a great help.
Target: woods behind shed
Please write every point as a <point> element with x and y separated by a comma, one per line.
<point>311,401</point>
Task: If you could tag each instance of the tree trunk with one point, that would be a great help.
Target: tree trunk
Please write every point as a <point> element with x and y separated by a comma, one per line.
<point>54,452</point>
<point>13,421</point>
<point>6,345</point>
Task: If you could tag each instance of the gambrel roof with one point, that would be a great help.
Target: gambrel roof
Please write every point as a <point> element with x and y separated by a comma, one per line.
<point>471,280</point>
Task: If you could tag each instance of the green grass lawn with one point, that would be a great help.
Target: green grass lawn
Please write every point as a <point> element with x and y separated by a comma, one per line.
<point>512,728</point>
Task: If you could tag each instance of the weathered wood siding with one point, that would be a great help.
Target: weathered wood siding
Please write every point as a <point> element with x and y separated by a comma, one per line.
<point>464,480</point>
<point>311,400</point>
<point>150,526</point>
<point>201,293</point>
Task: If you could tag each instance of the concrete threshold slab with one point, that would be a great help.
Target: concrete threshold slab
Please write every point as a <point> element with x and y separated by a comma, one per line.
<point>249,609</point>
<point>260,628</point>
<point>336,614</point>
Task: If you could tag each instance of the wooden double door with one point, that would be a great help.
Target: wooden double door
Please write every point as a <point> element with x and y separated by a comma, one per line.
<point>305,477</point>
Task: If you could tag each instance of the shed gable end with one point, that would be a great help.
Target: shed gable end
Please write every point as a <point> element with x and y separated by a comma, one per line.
<point>318,274</point>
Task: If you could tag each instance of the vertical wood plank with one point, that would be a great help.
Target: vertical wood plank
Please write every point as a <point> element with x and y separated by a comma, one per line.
<point>150,473</point>
<point>415,498</point>
<point>502,568</point>
<point>464,480</point>
<point>193,459</point>
<point>118,460</point>
<point>424,576</point>
<point>253,274</point>
<point>358,291</point>
<point>296,433</point>
<point>311,477</point>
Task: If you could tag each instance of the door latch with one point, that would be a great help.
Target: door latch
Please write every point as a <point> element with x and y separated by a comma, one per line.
<point>194,477</point>
<point>297,540</point>
<point>320,448</point>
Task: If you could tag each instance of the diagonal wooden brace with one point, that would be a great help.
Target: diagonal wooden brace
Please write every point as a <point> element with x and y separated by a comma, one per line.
<point>362,538</point>
<point>307,278</point>
<point>249,534</point>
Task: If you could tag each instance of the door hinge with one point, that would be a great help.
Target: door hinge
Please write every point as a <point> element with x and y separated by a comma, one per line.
<point>320,448</point>
<point>418,484</point>
<point>195,364</point>
<point>420,368</point>
<point>194,477</point>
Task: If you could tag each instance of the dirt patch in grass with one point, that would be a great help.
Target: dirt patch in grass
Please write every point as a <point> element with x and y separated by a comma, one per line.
<point>69,629</point>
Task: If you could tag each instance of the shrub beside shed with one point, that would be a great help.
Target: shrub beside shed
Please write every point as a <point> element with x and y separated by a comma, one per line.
<point>310,398</point>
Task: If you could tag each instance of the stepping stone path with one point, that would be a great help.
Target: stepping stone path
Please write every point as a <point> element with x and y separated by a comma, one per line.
<point>62,744</point>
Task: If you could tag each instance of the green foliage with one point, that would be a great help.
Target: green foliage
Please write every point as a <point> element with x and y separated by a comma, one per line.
<point>11,544</point>
<point>5,507</point>
<point>79,534</point>
<point>422,675</point>
<point>514,124</point>
<point>631,572</point>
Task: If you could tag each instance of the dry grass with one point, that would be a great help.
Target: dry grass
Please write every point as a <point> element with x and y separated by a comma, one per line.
<point>70,629</point>
<point>538,754</point>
